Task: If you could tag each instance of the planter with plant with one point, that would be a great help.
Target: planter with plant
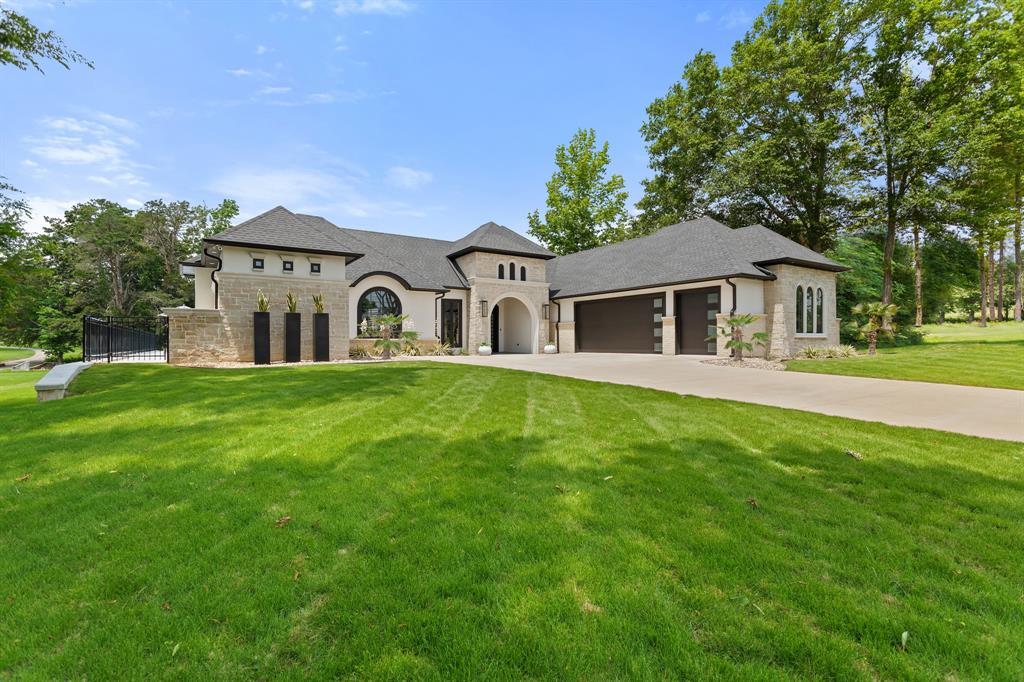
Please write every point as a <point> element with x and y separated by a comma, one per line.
<point>875,318</point>
<point>550,348</point>
<point>292,330</point>
<point>261,330</point>
<point>733,331</point>
<point>485,347</point>
<point>321,330</point>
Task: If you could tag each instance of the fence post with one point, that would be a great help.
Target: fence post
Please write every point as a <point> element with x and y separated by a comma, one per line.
<point>109,323</point>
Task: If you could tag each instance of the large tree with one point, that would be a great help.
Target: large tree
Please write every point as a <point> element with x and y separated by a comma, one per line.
<point>586,207</point>
<point>22,44</point>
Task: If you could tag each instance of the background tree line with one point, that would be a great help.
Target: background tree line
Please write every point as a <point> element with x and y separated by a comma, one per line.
<point>889,135</point>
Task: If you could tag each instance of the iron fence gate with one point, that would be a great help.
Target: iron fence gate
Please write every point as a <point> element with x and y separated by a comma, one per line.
<point>124,339</point>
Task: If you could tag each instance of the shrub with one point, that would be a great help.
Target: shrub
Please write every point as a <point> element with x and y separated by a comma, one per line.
<point>816,353</point>
<point>440,349</point>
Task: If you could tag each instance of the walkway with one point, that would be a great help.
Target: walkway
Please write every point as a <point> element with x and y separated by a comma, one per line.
<point>988,412</point>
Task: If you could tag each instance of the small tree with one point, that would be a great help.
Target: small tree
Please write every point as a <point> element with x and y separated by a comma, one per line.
<point>387,342</point>
<point>733,330</point>
<point>877,319</point>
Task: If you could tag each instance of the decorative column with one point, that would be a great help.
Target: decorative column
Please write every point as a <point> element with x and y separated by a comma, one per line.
<point>668,335</point>
<point>779,342</point>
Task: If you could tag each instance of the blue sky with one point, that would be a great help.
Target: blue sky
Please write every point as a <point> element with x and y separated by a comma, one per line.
<point>414,117</point>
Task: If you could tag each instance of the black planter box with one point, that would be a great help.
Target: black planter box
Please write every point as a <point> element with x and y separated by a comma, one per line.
<point>321,337</point>
<point>292,337</point>
<point>261,338</point>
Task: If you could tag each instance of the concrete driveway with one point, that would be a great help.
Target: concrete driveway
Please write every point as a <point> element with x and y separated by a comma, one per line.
<point>988,412</point>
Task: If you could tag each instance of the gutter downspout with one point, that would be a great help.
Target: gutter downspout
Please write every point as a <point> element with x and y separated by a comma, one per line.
<point>213,276</point>
<point>732,312</point>
<point>437,327</point>
<point>558,321</point>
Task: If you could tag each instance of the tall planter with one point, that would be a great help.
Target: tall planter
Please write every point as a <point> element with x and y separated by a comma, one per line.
<point>321,337</point>
<point>292,337</point>
<point>261,338</point>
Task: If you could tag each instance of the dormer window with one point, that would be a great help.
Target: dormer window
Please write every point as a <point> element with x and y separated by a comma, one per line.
<point>288,265</point>
<point>257,263</point>
<point>314,268</point>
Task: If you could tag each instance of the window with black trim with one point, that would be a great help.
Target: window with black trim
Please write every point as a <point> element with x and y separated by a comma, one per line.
<point>314,268</point>
<point>257,263</point>
<point>522,273</point>
<point>288,265</point>
<point>501,271</point>
<point>374,304</point>
<point>511,270</point>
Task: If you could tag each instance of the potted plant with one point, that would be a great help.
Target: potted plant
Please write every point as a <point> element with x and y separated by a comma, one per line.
<point>321,330</point>
<point>261,330</point>
<point>485,347</point>
<point>550,348</point>
<point>292,330</point>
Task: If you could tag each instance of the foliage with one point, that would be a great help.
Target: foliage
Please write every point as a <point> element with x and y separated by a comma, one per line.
<point>733,331</point>
<point>291,303</point>
<point>584,207</point>
<point>388,344</point>
<point>829,352</point>
<point>485,342</point>
<point>58,333</point>
<point>440,349</point>
<point>22,44</point>
<point>875,318</point>
<point>318,302</point>
<point>262,302</point>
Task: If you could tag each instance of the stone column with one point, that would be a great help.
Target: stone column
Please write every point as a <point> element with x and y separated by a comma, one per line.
<point>668,335</point>
<point>779,342</point>
<point>566,337</point>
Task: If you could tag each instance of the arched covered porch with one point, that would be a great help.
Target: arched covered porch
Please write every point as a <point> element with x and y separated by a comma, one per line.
<point>514,325</point>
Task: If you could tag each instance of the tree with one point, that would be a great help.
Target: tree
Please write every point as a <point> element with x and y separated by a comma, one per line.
<point>733,331</point>
<point>22,44</point>
<point>877,318</point>
<point>387,343</point>
<point>685,133</point>
<point>586,208</point>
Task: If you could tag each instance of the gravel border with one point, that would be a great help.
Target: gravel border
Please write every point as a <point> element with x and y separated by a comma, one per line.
<point>747,363</point>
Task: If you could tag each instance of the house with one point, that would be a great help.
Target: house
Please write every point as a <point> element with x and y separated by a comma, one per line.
<point>662,293</point>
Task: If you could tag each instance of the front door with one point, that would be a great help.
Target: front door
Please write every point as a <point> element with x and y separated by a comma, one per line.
<point>696,311</point>
<point>451,322</point>
<point>494,329</point>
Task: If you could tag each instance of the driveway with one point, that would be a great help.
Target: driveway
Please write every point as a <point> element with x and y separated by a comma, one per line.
<point>988,412</point>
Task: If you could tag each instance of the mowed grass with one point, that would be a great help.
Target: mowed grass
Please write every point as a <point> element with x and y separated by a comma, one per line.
<point>14,353</point>
<point>951,354</point>
<point>428,521</point>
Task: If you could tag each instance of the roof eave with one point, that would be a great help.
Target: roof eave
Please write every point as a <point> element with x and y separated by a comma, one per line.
<point>349,256</point>
<point>504,252</point>
<point>742,275</point>
<point>831,267</point>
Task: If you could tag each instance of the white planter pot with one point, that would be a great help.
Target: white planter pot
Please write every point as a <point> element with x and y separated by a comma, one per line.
<point>550,348</point>
<point>484,350</point>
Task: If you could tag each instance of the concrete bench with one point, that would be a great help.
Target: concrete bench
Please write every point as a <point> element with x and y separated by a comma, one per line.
<point>55,384</point>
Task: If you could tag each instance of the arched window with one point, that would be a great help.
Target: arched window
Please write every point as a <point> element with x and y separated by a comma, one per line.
<point>501,271</point>
<point>819,313</point>
<point>373,304</point>
<point>522,273</point>
<point>511,270</point>
<point>799,310</point>
<point>809,310</point>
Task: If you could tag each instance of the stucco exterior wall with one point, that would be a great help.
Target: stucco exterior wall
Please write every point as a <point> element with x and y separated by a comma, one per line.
<point>783,290</point>
<point>238,260</point>
<point>418,305</point>
<point>204,288</point>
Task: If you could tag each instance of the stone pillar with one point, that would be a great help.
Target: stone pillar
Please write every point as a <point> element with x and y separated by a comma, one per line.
<point>668,335</point>
<point>779,342</point>
<point>566,337</point>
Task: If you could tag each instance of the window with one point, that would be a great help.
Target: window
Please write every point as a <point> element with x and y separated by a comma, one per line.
<point>511,270</point>
<point>522,273</point>
<point>373,304</point>
<point>819,313</point>
<point>501,271</point>
<point>809,310</point>
<point>288,265</point>
<point>257,263</point>
<point>314,268</point>
<point>799,310</point>
<point>451,322</point>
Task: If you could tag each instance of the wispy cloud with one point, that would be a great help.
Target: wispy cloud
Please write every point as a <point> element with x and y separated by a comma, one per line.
<point>305,5</point>
<point>736,18</point>
<point>245,73</point>
<point>408,178</point>
<point>391,7</point>
<point>274,90</point>
<point>262,49</point>
<point>76,141</point>
<point>321,98</point>
<point>703,17</point>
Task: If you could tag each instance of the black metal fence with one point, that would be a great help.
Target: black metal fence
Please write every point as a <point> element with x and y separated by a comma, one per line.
<point>124,339</point>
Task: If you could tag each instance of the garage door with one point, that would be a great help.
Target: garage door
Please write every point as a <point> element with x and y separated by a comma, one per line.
<point>620,325</point>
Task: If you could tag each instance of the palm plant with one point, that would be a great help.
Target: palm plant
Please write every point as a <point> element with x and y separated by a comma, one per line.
<point>291,302</point>
<point>262,302</point>
<point>733,330</point>
<point>877,318</point>
<point>387,343</point>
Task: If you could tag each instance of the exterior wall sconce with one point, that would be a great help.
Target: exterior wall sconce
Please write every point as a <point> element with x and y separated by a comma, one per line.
<point>483,308</point>
<point>547,311</point>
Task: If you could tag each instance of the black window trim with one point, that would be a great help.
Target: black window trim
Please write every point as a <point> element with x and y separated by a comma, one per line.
<point>314,268</point>
<point>261,262</point>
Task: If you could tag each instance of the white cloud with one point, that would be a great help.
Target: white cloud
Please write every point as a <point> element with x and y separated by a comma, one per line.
<point>115,121</point>
<point>46,207</point>
<point>305,5</point>
<point>132,202</point>
<point>321,98</point>
<point>391,7</point>
<point>245,73</point>
<point>408,178</point>
<point>262,49</point>
<point>736,18</point>
<point>274,90</point>
<point>76,141</point>
<point>339,44</point>
<point>99,179</point>
<point>703,17</point>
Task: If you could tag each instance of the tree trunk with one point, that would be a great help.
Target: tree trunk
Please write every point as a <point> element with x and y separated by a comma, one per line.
<point>983,286</point>
<point>1018,295</point>
<point>872,342</point>
<point>737,346</point>
<point>918,303</point>
<point>1002,278</point>
<point>385,333</point>
<point>890,250</point>
<point>992,282</point>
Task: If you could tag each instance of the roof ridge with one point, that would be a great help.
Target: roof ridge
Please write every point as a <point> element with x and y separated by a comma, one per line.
<point>381,232</point>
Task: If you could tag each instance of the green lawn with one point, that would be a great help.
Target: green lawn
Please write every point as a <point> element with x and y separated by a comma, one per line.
<point>951,354</point>
<point>424,520</point>
<point>14,353</point>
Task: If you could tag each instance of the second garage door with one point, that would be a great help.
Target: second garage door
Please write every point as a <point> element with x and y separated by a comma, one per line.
<point>620,325</point>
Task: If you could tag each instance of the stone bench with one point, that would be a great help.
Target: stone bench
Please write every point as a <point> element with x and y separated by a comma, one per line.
<point>54,385</point>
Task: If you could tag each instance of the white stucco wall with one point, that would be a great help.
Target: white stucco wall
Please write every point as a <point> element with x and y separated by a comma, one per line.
<point>239,260</point>
<point>204,289</point>
<point>516,328</point>
<point>418,305</point>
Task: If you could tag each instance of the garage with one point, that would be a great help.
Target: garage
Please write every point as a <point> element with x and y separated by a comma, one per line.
<point>630,324</point>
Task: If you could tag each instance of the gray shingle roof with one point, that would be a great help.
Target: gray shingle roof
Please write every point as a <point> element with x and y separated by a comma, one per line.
<point>498,239</point>
<point>279,228</point>
<point>693,251</point>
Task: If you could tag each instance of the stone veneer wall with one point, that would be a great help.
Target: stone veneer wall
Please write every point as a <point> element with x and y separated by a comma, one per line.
<point>532,294</point>
<point>783,290</point>
<point>225,335</point>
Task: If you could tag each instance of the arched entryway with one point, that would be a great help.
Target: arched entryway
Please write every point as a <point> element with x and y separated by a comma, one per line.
<point>513,326</point>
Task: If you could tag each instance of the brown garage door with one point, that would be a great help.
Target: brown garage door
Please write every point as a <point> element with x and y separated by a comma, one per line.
<point>620,325</point>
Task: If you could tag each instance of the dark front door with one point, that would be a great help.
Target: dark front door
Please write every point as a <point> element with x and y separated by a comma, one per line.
<point>695,320</point>
<point>451,322</point>
<point>620,325</point>
<point>494,329</point>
